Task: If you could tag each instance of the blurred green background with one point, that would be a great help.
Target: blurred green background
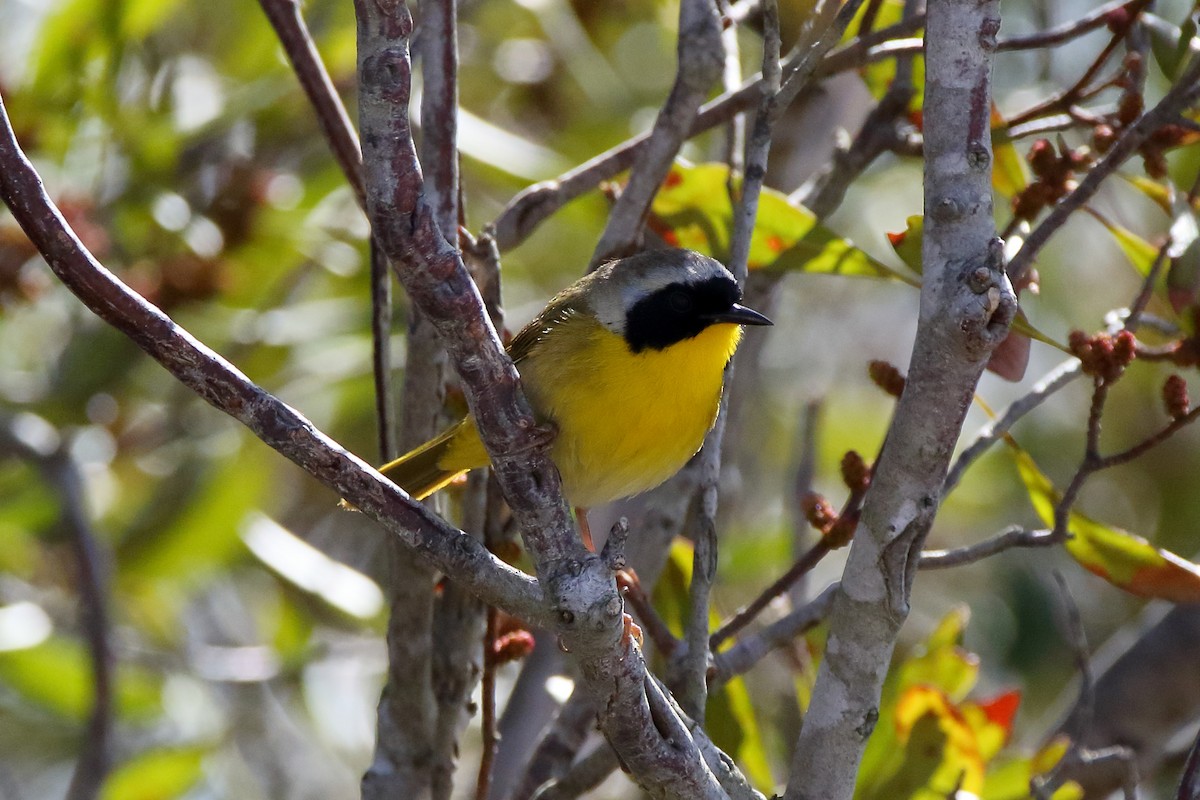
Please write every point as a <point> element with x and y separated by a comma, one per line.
<point>247,617</point>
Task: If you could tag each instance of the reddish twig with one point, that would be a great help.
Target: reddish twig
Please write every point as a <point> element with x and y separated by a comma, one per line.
<point>488,704</point>
<point>1083,88</point>
<point>746,615</point>
<point>652,624</point>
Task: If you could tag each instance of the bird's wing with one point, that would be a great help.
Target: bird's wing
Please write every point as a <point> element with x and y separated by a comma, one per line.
<point>560,311</point>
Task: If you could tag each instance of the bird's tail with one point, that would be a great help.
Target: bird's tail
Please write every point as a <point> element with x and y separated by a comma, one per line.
<point>420,472</point>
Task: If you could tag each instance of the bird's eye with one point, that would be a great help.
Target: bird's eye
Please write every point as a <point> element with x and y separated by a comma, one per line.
<point>679,301</point>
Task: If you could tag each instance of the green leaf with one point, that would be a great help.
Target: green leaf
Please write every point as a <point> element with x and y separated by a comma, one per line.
<point>693,210</point>
<point>907,243</point>
<point>1010,173</point>
<point>57,675</point>
<point>944,664</point>
<point>733,724</point>
<point>1158,193</point>
<point>1121,558</point>
<point>732,721</point>
<point>156,775</point>
<point>1139,252</point>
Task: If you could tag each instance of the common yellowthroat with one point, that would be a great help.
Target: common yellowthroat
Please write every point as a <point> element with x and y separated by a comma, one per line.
<point>627,365</point>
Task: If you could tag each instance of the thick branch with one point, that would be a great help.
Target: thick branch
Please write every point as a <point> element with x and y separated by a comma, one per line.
<point>219,383</point>
<point>577,584</point>
<point>966,308</point>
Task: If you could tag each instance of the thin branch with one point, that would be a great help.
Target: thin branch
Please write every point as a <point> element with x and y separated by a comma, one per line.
<point>992,432</point>
<point>746,615</point>
<point>881,131</point>
<point>1182,94</point>
<point>751,649</point>
<point>691,664</point>
<point>1009,538</point>
<point>1150,442</point>
<point>652,624</point>
<point>1083,88</point>
<point>824,29</point>
<point>802,484</point>
<point>558,745</point>
<point>894,47</point>
<point>381,353</point>
<point>1078,756</point>
<point>700,58</point>
<point>224,387</point>
<point>1189,782</point>
<point>583,776</point>
<point>44,449</point>
<point>293,34</point>
<point>487,700</point>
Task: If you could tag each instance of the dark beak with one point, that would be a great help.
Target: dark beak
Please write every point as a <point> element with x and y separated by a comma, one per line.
<point>740,315</point>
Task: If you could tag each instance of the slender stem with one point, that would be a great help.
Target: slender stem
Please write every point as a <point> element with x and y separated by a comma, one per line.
<point>1184,92</point>
<point>286,19</point>
<point>44,449</point>
<point>488,703</point>
<point>989,434</point>
<point>751,649</point>
<point>1189,782</point>
<point>700,63</point>
<point>381,353</point>
<point>1016,536</point>
<point>744,616</point>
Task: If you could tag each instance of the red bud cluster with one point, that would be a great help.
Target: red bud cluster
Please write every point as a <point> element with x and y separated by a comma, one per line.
<point>1175,397</point>
<point>1054,176</point>
<point>512,647</point>
<point>856,473</point>
<point>887,377</point>
<point>819,513</point>
<point>1103,356</point>
<point>837,531</point>
<point>513,640</point>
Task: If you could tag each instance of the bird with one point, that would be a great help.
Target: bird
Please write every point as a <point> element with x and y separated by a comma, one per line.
<point>626,365</point>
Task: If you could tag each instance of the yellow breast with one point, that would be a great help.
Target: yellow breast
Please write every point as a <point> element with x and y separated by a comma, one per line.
<point>626,421</point>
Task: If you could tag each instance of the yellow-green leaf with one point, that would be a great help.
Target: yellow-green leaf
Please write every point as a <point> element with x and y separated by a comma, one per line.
<point>907,243</point>
<point>57,675</point>
<point>156,775</point>
<point>732,721</point>
<point>1139,252</point>
<point>1010,173</point>
<point>1120,557</point>
<point>693,210</point>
